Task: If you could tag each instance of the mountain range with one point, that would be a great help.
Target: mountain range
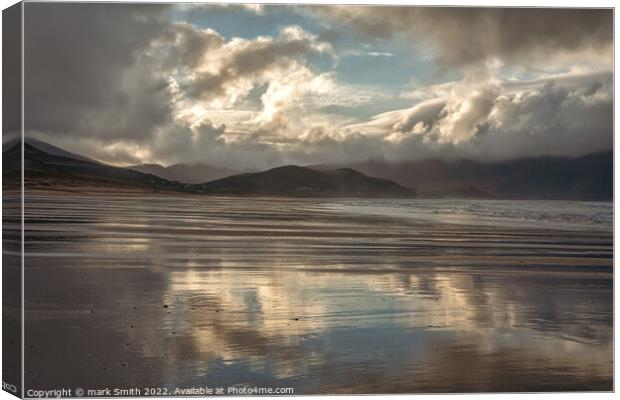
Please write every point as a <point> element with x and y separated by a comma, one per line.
<point>49,167</point>
<point>589,177</point>
<point>46,167</point>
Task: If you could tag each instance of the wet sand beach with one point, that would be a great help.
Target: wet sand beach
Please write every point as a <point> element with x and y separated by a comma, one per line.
<point>166,291</point>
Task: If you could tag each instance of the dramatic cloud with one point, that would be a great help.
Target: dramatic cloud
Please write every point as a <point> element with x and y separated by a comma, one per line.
<point>212,73</point>
<point>464,36</point>
<point>146,83</point>
<point>86,73</point>
<point>488,119</point>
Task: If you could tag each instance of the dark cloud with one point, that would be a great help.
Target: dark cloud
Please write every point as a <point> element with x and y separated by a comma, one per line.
<point>85,72</point>
<point>125,84</point>
<point>463,36</point>
<point>103,70</point>
<point>11,69</point>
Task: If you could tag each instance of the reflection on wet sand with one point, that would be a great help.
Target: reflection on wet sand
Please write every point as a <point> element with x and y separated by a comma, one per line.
<point>183,291</point>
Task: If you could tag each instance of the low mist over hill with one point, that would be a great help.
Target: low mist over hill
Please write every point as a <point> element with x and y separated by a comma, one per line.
<point>187,173</point>
<point>588,178</point>
<point>583,178</point>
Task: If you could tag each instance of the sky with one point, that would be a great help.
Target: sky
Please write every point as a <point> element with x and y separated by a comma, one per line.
<point>250,87</point>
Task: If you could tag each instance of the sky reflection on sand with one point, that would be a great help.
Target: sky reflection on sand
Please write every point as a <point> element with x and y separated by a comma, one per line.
<point>197,291</point>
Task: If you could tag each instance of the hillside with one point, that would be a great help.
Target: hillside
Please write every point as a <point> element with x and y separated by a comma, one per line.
<point>583,178</point>
<point>588,177</point>
<point>294,180</point>
<point>44,170</point>
<point>62,170</point>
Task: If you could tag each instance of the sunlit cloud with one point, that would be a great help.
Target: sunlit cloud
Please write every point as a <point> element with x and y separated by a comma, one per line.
<point>319,84</point>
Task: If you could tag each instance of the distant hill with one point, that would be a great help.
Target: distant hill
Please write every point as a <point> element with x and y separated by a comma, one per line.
<point>294,180</point>
<point>583,178</point>
<point>187,173</point>
<point>48,148</point>
<point>63,169</point>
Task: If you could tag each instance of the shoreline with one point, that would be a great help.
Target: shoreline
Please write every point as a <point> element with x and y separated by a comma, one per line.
<point>137,190</point>
<point>172,290</point>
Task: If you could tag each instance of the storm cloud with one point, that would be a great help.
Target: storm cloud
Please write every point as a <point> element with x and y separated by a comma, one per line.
<point>127,84</point>
<point>87,73</point>
<point>464,36</point>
